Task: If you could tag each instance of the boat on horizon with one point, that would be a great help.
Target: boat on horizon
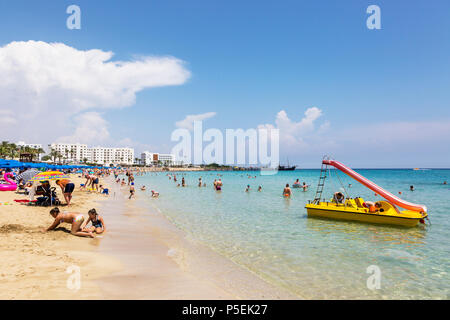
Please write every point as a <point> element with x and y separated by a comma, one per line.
<point>286,168</point>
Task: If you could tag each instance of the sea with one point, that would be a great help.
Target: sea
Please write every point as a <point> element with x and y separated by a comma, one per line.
<point>272,237</point>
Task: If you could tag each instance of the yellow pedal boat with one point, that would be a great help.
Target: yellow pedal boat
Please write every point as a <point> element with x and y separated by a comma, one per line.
<point>354,210</point>
<point>381,212</point>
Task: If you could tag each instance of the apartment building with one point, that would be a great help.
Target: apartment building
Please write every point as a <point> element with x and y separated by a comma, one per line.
<point>101,155</point>
<point>151,158</point>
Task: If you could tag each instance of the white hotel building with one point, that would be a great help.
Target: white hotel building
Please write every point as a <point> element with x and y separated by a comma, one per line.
<point>151,158</point>
<point>80,152</point>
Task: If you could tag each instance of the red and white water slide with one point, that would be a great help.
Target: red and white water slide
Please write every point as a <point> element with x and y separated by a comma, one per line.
<point>372,186</point>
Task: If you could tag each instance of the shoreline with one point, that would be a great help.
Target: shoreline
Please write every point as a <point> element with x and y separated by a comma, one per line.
<point>160,261</point>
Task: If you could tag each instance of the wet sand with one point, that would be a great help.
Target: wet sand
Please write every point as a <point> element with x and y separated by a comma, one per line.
<point>161,262</point>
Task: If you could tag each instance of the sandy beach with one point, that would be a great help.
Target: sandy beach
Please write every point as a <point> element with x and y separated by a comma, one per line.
<point>34,264</point>
<point>141,256</point>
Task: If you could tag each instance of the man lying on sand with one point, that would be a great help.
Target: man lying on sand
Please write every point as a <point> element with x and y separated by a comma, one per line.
<point>76,219</point>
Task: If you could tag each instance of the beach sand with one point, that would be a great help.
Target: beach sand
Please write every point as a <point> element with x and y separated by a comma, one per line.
<point>141,256</point>
<point>34,263</point>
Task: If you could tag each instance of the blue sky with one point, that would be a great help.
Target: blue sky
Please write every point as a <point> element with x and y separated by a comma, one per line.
<point>251,59</point>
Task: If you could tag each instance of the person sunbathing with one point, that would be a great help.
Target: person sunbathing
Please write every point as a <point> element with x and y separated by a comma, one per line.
<point>75,219</point>
<point>98,224</point>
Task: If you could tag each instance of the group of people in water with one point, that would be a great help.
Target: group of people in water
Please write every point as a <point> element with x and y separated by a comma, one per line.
<point>218,184</point>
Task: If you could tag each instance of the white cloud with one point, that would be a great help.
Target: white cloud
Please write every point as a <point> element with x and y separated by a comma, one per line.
<point>188,122</point>
<point>293,134</point>
<point>90,128</point>
<point>44,85</point>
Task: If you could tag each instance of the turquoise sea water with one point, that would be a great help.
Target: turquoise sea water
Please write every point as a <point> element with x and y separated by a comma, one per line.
<point>314,258</point>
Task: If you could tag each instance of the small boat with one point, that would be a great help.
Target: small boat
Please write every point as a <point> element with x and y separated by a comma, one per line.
<point>356,209</point>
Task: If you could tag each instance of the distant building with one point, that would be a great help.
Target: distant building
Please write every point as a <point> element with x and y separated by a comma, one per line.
<point>151,158</point>
<point>101,155</point>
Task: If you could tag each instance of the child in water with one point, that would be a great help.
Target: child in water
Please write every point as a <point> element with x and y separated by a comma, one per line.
<point>131,190</point>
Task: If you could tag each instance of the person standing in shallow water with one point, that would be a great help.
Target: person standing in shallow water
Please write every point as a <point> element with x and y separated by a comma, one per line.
<point>183,182</point>
<point>132,191</point>
<point>287,191</point>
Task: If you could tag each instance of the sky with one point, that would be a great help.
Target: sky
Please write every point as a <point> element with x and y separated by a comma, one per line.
<point>138,70</point>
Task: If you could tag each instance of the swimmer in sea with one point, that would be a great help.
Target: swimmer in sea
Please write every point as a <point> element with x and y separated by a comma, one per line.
<point>155,194</point>
<point>200,181</point>
<point>75,219</point>
<point>287,191</point>
<point>248,188</point>
<point>259,188</point>
<point>143,188</point>
<point>305,186</point>
<point>183,183</point>
<point>411,188</point>
<point>218,185</point>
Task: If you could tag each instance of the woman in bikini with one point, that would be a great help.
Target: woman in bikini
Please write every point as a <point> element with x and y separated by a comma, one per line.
<point>76,219</point>
<point>98,224</point>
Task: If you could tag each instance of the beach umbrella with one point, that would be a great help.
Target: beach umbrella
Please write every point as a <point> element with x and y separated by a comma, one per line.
<point>49,175</point>
<point>27,175</point>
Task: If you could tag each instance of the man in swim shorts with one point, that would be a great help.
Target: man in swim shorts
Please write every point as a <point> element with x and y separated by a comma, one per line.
<point>67,188</point>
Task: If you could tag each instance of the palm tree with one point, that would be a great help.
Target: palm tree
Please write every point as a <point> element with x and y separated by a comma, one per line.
<point>59,156</point>
<point>39,151</point>
<point>4,146</point>
<point>53,154</point>
<point>72,152</point>
<point>13,150</point>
